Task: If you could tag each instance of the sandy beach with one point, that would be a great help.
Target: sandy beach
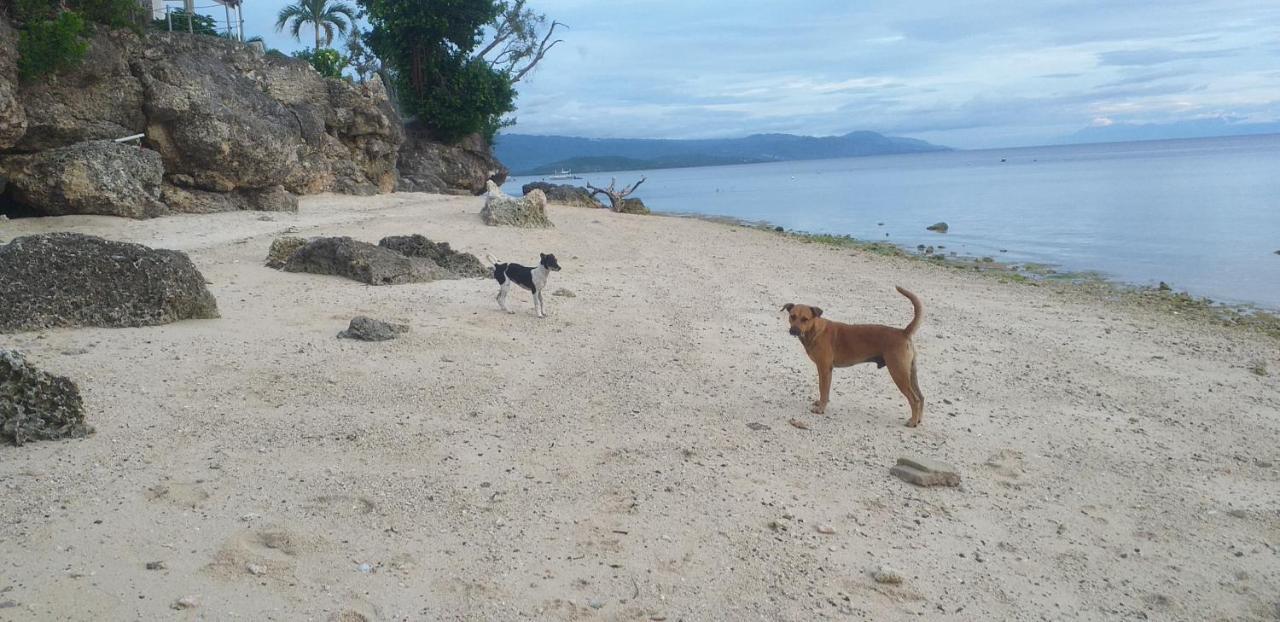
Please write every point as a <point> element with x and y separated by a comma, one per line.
<point>630,457</point>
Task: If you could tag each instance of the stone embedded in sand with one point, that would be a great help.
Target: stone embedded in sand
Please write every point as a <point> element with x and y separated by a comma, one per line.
<point>925,472</point>
<point>529,211</point>
<point>186,602</point>
<point>940,227</point>
<point>463,265</point>
<point>282,249</point>
<point>368,329</point>
<point>887,575</point>
<point>362,262</point>
<point>564,293</point>
<point>69,279</point>
<point>37,406</point>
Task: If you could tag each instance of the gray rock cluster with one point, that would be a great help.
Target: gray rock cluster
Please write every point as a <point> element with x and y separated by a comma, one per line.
<point>70,279</point>
<point>529,211</point>
<point>429,166</point>
<point>35,405</point>
<point>566,194</point>
<point>396,260</point>
<point>364,328</point>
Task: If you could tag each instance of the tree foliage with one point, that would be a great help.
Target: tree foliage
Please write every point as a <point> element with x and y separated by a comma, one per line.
<point>429,47</point>
<point>52,34</point>
<point>326,17</point>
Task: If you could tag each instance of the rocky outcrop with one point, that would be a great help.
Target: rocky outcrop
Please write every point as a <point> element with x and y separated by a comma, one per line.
<point>361,261</point>
<point>632,206</point>
<point>566,194</point>
<point>234,128</point>
<point>429,166</point>
<point>13,118</point>
<point>462,265</point>
<point>940,227</point>
<point>69,279</point>
<point>97,177</point>
<point>35,405</point>
<point>368,329</point>
<point>529,211</point>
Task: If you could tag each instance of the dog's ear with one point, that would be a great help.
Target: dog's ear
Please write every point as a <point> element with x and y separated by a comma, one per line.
<point>817,311</point>
<point>542,255</point>
<point>788,306</point>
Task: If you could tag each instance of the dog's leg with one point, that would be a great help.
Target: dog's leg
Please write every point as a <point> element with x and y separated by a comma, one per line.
<point>539,304</point>
<point>900,368</point>
<point>918,412</point>
<point>502,296</point>
<point>824,389</point>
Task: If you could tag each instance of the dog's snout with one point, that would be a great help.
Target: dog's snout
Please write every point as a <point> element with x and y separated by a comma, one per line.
<point>795,332</point>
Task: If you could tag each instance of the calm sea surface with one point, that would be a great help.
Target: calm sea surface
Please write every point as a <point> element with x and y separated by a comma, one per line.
<point>1202,215</point>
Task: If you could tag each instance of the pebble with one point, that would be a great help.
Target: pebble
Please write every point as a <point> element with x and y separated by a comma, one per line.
<point>826,529</point>
<point>595,604</point>
<point>564,293</point>
<point>187,602</point>
<point>885,574</point>
<point>365,567</point>
<point>925,472</point>
<point>155,566</point>
<point>255,569</point>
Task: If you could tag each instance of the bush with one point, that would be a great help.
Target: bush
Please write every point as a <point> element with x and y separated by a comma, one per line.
<point>110,13</point>
<point>328,62</point>
<point>48,46</point>
<point>200,24</point>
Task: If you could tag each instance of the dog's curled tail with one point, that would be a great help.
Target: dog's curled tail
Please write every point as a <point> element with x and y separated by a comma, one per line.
<point>919,312</point>
<point>491,259</point>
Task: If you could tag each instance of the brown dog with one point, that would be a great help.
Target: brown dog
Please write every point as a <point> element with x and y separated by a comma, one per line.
<point>832,344</point>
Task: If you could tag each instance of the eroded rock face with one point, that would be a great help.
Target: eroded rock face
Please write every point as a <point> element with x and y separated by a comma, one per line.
<point>35,405</point>
<point>529,211</point>
<point>13,117</point>
<point>464,168</point>
<point>100,99</point>
<point>188,201</point>
<point>282,249</point>
<point>632,206</point>
<point>97,177</point>
<point>361,261</point>
<point>564,193</point>
<point>462,265</point>
<point>70,279</point>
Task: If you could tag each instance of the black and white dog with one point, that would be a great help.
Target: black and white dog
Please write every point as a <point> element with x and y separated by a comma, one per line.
<point>532,279</point>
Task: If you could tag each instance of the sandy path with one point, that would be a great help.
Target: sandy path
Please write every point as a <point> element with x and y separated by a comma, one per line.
<point>598,464</point>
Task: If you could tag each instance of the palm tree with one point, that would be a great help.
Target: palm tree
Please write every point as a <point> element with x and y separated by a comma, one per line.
<point>322,15</point>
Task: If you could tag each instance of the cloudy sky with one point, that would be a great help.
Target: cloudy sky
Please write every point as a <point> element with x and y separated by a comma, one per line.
<point>966,74</point>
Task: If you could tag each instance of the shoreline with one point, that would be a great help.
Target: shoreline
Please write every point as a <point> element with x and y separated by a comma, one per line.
<point>1233,315</point>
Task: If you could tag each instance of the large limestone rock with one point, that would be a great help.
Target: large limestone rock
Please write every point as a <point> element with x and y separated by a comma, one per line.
<point>565,194</point>
<point>98,177</point>
<point>69,279</point>
<point>529,211</point>
<point>13,118</point>
<point>462,265</point>
<point>99,99</point>
<point>35,405</point>
<point>633,206</point>
<point>429,166</point>
<point>188,201</point>
<point>362,262</point>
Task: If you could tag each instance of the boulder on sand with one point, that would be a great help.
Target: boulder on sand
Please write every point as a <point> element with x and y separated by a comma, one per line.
<point>529,211</point>
<point>462,265</point>
<point>69,279</point>
<point>95,177</point>
<point>563,193</point>
<point>632,206</point>
<point>282,249</point>
<point>37,406</point>
<point>365,328</point>
<point>362,262</point>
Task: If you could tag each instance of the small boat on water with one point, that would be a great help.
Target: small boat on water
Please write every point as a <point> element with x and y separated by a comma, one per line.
<point>563,174</point>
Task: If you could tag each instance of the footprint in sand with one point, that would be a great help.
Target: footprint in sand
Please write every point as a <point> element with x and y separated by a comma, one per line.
<point>340,506</point>
<point>264,553</point>
<point>185,494</point>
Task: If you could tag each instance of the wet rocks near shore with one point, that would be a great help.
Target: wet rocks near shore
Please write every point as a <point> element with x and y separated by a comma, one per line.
<point>632,206</point>
<point>940,227</point>
<point>70,279</point>
<point>529,211</point>
<point>565,194</point>
<point>35,405</point>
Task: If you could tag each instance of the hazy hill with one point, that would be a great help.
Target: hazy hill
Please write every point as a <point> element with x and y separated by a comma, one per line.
<point>529,154</point>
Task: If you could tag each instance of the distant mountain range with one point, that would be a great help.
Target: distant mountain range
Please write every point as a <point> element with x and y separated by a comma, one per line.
<point>527,154</point>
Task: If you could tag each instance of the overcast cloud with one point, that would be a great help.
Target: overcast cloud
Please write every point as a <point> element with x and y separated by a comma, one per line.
<point>965,74</point>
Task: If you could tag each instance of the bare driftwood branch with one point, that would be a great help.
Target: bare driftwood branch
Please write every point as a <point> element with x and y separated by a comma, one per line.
<point>543,48</point>
<point>616,197</point>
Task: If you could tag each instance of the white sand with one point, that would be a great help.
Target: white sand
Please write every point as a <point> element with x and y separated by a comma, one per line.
<point>598,464</point>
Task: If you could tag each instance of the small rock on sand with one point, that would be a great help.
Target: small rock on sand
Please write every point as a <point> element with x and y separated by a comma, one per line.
<point>369,329</point>
<point>187,602</point>
<point>256,570</point>
<point>925,472</point>
<point>562,292</point>
<point>885,574</point>
<point>799,424</point>
<point>757,426</point>
<point>155,566</point>
<point>826,529</point>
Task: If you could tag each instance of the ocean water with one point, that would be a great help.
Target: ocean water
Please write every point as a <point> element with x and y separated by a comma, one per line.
<point>1202,215</point>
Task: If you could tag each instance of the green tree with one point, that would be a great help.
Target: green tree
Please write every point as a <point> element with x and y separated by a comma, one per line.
<point>200,24</point>
<point>329,63</point>
<point>323,16</point>
<point>428,48</point>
